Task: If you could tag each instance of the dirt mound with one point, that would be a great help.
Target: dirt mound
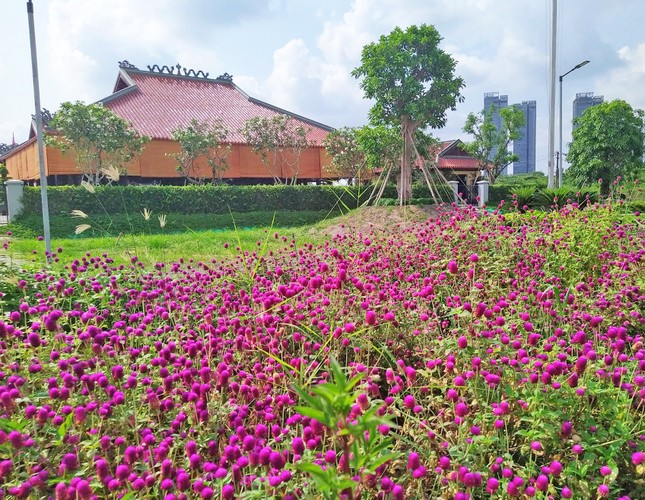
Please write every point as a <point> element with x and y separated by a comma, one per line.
<point>369,219</point>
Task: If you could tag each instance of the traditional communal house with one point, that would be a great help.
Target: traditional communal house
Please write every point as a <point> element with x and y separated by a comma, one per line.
<point>158,101</point>
<point>456,164</point>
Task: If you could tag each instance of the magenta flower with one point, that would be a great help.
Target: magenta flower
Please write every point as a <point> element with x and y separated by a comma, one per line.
<point>461,409</point>
<point>492,485</point>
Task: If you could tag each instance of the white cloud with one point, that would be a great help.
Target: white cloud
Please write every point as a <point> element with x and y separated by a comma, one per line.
<point>291,69</point>
<point>626,81</point>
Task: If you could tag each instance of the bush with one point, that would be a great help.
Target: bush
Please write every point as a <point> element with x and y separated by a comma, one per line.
<point>193,199</point>
<point>63,226</point>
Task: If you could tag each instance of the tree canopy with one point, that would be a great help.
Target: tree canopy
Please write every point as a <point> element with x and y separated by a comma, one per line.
<point>488,139</point>
<point>99,138</point>
<point>279,141</point>
<point>607,143</point>
<point>413,83</point>
<point>348,159</point>
<point>201,140</point>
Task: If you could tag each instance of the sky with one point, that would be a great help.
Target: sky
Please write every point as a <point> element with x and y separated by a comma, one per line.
<point>299,54</point>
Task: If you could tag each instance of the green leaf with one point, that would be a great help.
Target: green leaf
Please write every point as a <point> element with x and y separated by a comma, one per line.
<point>64,427</point>
<point>12,425</point>
<point>313,413</point>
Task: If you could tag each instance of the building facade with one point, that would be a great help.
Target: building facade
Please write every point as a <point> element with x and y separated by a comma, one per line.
<point>582,102</point>
<point>159,100</point>
<point>493,102</point>
<point>524,147</point>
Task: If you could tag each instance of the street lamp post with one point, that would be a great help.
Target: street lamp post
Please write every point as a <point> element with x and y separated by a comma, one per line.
<point>560,153</point>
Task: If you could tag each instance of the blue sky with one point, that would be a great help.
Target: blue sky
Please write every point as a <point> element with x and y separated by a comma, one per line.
<point>298,54</point>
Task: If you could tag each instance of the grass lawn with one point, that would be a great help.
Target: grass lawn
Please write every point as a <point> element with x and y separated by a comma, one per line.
<point>149,249</point>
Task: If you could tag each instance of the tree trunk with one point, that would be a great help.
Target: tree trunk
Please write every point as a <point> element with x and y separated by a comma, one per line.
<point>405,185</point>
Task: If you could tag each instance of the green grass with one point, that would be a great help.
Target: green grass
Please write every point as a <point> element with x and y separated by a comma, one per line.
<point>149,249</point>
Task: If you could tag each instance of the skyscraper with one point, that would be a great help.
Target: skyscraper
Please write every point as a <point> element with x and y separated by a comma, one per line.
<point>584,101</point>
<point>496,102</point>
<point>524,147</point>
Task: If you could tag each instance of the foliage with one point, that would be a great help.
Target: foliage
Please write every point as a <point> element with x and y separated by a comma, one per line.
<point>279,141</point>
<point>362,447</point>
<point>487,138</point>
<point>191,199</point>
<point>382,146</point>
<point>507,349</point>
<point>64,226</point>
<point>607,143</point>
<point>348,159</point>
<point>537,179</point>
<point>557,198</point>
<point>99,139</point>
<point>413,83</point>
<point>202,140</point>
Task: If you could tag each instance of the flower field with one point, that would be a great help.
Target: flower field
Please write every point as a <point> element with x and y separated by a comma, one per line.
<point>470,356</point>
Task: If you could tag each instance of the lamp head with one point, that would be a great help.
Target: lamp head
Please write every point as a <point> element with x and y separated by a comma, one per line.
<point>583,63</point>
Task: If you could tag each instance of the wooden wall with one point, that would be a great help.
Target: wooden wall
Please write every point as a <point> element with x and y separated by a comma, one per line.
<point>155,162</point>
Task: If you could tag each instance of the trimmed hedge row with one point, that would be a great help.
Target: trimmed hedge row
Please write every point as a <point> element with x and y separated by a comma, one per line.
<point>205,199</point>
<point>64,226</point>
<point>192,199</point>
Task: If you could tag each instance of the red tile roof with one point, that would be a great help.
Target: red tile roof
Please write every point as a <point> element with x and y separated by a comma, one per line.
<point>448,163</point>
<point>156,104</point>
<point>452,156</point>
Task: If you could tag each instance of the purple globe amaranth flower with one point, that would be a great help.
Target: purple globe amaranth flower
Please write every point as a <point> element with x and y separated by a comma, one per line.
<point>566,428</point>
<point>542,482</point>
<point>34,339</point>
<point>461,409</point>
<point>397,492</point>
<point>330,456</point>
<point>298,445</point>
<point>638,457</point>
<point>603,490</point>
<point>419,472</point>
<point>413,460</point>
<point>228,492</point>
<point>492,485</point>
<point>566,492</point>
<point>444,462</point>
<point>555,468</point>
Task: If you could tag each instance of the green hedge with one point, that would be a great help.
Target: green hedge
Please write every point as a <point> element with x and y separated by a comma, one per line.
<point>192,199</point>
<point>64,226</point>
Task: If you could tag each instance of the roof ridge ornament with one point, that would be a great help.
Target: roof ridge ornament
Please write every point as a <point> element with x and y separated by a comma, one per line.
<point>226,77</point>
<point>126,65</point>
<point>46,116</point>
<point>177,70</point>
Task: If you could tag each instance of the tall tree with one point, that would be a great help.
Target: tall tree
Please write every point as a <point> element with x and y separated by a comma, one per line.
<point>487,138</point>
<point>202,140</point>
<point>607,143</point>
<point>99,138</point>
<point>413,83</point>
<point>279,141</point>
